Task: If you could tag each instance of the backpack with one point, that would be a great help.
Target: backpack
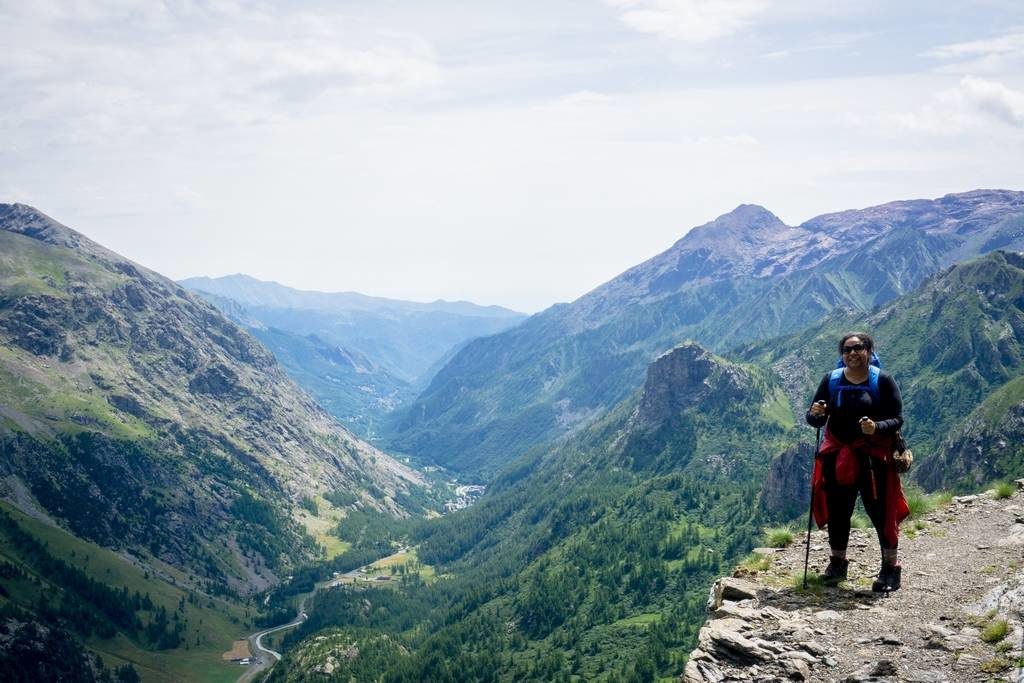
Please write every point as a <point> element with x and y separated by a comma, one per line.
<point>835,391</point>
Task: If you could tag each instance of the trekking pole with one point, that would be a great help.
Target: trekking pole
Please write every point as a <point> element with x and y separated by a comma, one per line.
<point>810,511</point>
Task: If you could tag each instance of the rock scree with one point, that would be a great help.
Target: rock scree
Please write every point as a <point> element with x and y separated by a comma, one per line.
<point>958,616</point>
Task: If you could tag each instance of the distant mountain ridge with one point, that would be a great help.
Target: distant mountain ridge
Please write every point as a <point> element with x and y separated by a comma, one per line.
<point>359,356</point>
<point>142,419</point>
<point>741,277</point>
<point>251,291</point>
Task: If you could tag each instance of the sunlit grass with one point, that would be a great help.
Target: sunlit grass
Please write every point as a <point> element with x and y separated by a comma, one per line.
<point>755,562</point>
<point>921,503</point>
<point>778,537</point>
<point>995,631</point>
<point>1003,489</point>
<point>815,582</point>
<point>860,521</point>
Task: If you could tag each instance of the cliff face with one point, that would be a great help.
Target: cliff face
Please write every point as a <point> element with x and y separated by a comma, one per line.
<point>787,488</point>
<point>951,621</point>
<point>141,418</point>
<point>986,447</point>
<point>685,377</point>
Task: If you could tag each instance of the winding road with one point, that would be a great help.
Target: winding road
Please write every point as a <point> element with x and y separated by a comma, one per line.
<point>264,658</point>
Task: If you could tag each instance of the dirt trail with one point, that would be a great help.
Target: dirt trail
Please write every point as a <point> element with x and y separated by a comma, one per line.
<point>963,574</point>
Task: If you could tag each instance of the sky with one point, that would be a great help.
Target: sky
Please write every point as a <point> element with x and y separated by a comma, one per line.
<point>504,153</point>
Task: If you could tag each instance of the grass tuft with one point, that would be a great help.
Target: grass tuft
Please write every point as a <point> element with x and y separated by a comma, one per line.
<point>921,503</point>
<point>815,583</point>
<point>1003,489</point>
<point>995,665</point>
<point>778,537</point>
<point>755,562</point>
<point>860,521</point>
<point>995,631</point>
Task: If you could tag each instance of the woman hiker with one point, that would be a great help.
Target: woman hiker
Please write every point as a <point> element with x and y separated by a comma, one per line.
<point>860,407</point>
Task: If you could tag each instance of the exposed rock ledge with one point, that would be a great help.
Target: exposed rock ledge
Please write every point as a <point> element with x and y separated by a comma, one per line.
<point>963,573</point>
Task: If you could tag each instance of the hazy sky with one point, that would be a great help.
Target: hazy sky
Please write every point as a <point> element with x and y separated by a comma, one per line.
<point>517,153</point>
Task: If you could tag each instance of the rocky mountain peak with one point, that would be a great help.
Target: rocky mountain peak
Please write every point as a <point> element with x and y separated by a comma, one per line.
<point>687,375</point>
<point>745,222</point>
<point>29,221</point>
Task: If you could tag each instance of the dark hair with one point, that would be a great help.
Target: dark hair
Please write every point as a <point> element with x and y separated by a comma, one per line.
<point>865,339</point>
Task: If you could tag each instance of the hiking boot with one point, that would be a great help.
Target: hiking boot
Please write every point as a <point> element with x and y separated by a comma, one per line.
<point>835,571</point>
<point>888,578</point>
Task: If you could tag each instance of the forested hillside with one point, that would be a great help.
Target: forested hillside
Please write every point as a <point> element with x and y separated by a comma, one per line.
<point>162,457</point>
<point>588,559</point>
<point>592,558</point>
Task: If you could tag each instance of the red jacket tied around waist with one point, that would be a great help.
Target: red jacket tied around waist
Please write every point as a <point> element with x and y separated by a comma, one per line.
<point>848,471</point>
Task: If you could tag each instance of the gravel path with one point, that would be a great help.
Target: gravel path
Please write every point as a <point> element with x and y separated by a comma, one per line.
<point>963,574</point>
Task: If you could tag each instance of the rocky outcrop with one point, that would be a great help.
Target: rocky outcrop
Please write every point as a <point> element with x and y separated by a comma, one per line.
<point>952,621</point>
<point>687,376</point>
<point>787,488</point>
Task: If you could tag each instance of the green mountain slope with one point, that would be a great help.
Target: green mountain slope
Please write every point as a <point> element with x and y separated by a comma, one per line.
<point>139,418</point>
<point>742,277</point>
<point>589,559</point>
<point>956,347</point>
<point>987,446</point>
<point>70,600</point>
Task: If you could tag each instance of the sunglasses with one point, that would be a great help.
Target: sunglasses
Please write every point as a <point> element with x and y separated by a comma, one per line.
<point>854,348</point>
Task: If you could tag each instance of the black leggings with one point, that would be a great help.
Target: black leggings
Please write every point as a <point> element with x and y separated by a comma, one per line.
<point>842,499</point>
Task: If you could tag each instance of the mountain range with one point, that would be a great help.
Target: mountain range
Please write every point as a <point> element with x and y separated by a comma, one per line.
<point>589,556</point>
<point>360,357</point>
<point>634,444</point>
<point>742,277</point>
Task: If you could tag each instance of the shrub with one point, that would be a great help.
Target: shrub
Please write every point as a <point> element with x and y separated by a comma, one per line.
<point>918,502</point>
<point>778,537</point>
<point>859,521</point>
<point>309,505</point>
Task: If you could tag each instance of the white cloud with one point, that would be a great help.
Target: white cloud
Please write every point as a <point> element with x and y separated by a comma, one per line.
<point>974,103</point>
<point>821,43</point>
<point>90,72</point>
<point>1009,43</point>
<point>582,100</point>
<point>692,21</point>
<point>737,140</point>
<point>993,99</point>
<point>987,55</point>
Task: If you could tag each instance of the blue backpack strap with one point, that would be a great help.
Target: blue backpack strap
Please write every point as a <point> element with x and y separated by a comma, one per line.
<point>833,387</point>
<point>873,374</point>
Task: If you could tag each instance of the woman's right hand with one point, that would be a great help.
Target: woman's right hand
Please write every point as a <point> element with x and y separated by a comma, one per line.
<point>818,408</point>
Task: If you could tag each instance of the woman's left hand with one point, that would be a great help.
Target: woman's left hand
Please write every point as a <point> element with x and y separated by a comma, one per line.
<point>867,425</point>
